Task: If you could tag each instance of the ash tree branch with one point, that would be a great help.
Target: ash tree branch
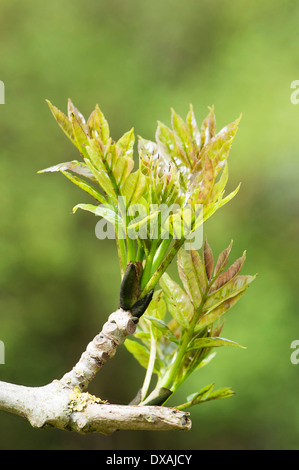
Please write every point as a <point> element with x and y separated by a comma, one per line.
<point>65,404</point>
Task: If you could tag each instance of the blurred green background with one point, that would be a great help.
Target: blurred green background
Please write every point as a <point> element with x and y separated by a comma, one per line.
<point>58,282</point>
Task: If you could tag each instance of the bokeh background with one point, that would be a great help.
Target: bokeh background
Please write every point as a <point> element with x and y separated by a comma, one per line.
<point>58,282</point>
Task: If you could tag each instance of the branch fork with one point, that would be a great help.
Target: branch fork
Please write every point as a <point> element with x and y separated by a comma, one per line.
<point>65,404</point>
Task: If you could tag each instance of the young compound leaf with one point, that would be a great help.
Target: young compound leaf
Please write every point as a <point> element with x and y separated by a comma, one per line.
<point>161,326</point>
<point>219,186</point>
<point>219,146</point>
<point>201,181</point>
<point>126,144</point>
<point>219,394</point>
<point>191,272</point>
<point>210,317</point>
<point>197,397</point>
<point>88,188</point>
<point>235,286</point>
<point>169,149</point>
<point>80,135</point>
<point>106,212</point>
<point>72,110</point>
<point>208,128</point>
<point>140,352</point>
<point>157,307</point>
<point>222,259</point>
<point>178,302</point>
<point>98,126</point>
<point>134,187</point>
<point>212,342</point>
<point>79,168</point>
<point>183,137</point>
<point>201,395</point>
<point>206,394</point>
<point>63,122</point>
<point>98,169</point>
<point>234,269</point>
<point>193,128</point>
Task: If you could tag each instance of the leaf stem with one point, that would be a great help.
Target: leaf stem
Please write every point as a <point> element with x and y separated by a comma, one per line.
<point>161,252</point>
<point>140,252</point>
<point>121,251</point>
<point>150,367</point>
<point>148,264</point>
<point>163,266</point>
<point>169,376</point>
<point>130,250</point>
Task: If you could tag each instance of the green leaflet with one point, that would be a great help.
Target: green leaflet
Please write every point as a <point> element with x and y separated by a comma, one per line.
<point>99,171</point>
<point>163,178</point>
<point>222,260</point>
<point>178,302</point>
<point>72,110</point>
<point>134,187</point>
<point>168,147</point>
<point>231,289</point>
<point>161,326</point>
<point>212,207</point>
<point>85,186</point>
<point>208,128</point>
<point>81,137</point>
<point>201,181</point>
<point>183,137</point>
<point>126,144</point>
<point>63,122</point>
<point>117,165</point>
<point>224,201</point>
<point>157,307</point>
<point>193,129</point>
<point>219,186</point>
<point>148,154</point>
<point>219,394</point>
<point>106,212</point>
<point>211,342</point>
<point>219,146</point>
<point>98,126</point>
<point>85,207</point>
<point>122,169</point>
<point>211,317</point>
<point>191,272</point>
<point>141,353</point>
<point>231,272</point>
<point>201,395</point>
<point>205,361</point>
<point>79,168</point>
<point>206,394</point>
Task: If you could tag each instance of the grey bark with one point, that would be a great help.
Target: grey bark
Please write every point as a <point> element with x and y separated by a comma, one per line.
<point>65,404</point>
